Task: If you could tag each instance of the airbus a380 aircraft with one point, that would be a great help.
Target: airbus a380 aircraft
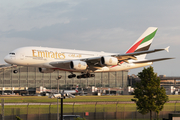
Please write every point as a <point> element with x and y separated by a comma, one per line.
<point>86,62</point>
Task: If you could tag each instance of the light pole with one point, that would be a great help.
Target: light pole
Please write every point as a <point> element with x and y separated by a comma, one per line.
<point>61,96</point>
<point>62,105</point>
<point>59,77</point>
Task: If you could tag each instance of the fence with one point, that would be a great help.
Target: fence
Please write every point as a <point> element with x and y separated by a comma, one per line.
<point>90,112</point>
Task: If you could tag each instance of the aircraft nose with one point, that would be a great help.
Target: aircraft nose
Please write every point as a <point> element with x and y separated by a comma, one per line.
<point>7,59</point>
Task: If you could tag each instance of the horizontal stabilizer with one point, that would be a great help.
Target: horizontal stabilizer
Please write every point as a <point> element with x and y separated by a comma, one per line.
<point>132,55</point>
<point>146,52</point>
<point>153,60</point>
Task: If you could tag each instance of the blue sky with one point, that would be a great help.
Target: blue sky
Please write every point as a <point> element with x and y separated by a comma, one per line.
<point>96,25</point>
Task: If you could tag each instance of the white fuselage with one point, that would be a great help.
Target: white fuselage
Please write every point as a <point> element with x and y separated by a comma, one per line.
<point>42,56</point>
<point>71,91</point>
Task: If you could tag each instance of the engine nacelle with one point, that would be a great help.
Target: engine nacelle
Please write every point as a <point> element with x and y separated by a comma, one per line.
<point>78,65</point>
<point>46,70</point>
<point>109,61</point>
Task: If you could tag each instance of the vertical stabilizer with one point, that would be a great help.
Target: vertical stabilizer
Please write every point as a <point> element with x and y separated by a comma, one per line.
<point>143,42</point>
<point>76,89</point>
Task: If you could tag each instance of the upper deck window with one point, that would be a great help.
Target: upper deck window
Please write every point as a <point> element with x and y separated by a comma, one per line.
<point>12,53</point>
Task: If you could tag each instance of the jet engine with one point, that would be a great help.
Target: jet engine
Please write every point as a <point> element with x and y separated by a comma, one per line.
<point>46,70</point>
<point>78,65</point>
<point>108,61</point>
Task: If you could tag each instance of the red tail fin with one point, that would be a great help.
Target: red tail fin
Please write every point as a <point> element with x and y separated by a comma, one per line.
<point>76,89</point>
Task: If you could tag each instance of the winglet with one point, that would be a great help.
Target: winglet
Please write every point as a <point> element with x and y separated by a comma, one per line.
<point>167,48</point>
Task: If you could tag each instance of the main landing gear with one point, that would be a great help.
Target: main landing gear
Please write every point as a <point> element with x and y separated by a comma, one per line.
<point>72,76</point>
<point>81,76</point>
<point>88,75</point>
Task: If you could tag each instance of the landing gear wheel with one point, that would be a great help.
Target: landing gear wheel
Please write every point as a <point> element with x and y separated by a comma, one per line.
<point>88,75</point>
<point>15,71</point>
<point>79,77</point>
<point>69,76</point>
<point>92,75</point>
<point>72,76</point>
<point>84,76</point>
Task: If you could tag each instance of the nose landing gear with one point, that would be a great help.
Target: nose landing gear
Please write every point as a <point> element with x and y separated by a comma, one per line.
<point>15,71</point>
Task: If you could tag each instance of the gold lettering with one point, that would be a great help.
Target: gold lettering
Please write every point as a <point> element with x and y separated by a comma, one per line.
<point>33,52</point>
<point>75,55</point>
<point>61,55</point>
<point>56,54</point>
<point>47,54</point>
<point>52,55</point>
<point>41,54</point>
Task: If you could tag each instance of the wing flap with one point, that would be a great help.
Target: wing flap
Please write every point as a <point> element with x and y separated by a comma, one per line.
<point>152,60</point>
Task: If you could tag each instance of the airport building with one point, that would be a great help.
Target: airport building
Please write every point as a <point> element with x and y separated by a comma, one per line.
<point>30,77</point>
<point>170,83</point>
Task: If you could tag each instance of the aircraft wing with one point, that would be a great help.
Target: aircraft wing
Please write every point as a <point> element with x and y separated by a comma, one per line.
<point>123,57</point>
<point>94,63</point>
<point>152,60</point>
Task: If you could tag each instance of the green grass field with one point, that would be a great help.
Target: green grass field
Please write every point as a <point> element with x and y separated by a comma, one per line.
<point>45,99</point>
<point>42,109</point>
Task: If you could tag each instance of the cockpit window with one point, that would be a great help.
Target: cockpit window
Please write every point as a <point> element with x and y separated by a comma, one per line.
<point>12,53</point>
